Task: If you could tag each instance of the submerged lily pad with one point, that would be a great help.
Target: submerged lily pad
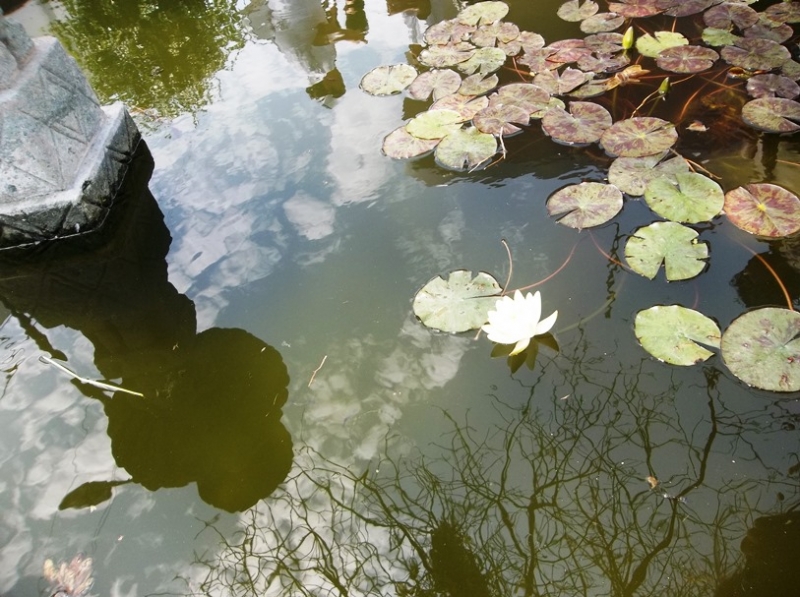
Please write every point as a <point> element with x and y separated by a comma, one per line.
<point>388,80</point>
<point>772,114</point>
<point>465,149</point>
<point>632,175</point>
<point>483,13</point>
<point>401,145</point>
<point>686,59</point>
<point>764,209</point>
<point>434,124</point>
<point>637,137</point>
<point>762,349</point>
<point>674,334</point>
<point>584,205</point>
<point>436,82</point>
<point>651,45</point>
<point>459,304</point>
<point>755,54</point>
<point>583,124</point>
<point>573,11</point>
<point>693,198</point>
<point>670,243</point>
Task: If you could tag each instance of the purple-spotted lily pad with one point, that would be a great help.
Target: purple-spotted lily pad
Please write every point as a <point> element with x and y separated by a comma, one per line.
<point>674,334</point>
<point>444,32</point>
<point>601,64</point>
<point>446,55</point>
<point>635,9</point>
<point>388,80</point>
<point>719,37</point>
<point>559,84</point>
<point>772,85</point>
<point>584,205</point>
<point>653,45</point>
<point>637,137</point>
<point>458,304</point>
<point>791,69</point>
<point>477,84</point>
<point>465,105</point>
<point>583,124</point>
<point>400,145</point>
<point>593,88</point>
<point>670,243</point>
<point>538,60</point>
<point>684,8</point>
<point>784,12</point>
<point>436,82</point>
<point>531,97</point>
<point>601,22</point>
<point>604,43</point>
<point>483,13</point>
<point>497,119</point>
<point>763,209</point>
<point>483,61</point>
<point>755,54</point>
<point>465,149</point>
<point>632,175</point>
<point>573,11</point>
<point>692,198</point>
<point>762,349</point>
<point>686,59</point>
<point>776,33</point>
<point>488,36</point>
<point>722,16</point>
<point>434,124</point>
<point>772,114</point>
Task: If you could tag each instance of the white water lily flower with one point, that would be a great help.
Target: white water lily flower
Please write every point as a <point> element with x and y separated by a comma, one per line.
<point>516,320</point>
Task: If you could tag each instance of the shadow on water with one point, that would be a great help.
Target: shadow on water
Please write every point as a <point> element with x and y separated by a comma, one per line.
<point>210,413</point>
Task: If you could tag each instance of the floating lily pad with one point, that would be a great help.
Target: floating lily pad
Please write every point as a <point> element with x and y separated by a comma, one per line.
<point>399,144</point>
<point>465,149</point>
<point>434,124</point>
<point>559,84</point>
<point>784,12</point>
<point>674,334</point>
<point>770,85</point>
<point>686,59</point>
<point>484,61</point>
<point>653,45</point>
<point>585,205</point>
<point>722,16</point>
<point>763,209</point>
<point>637,137</point>
<point>590,89</point>
<point>604,43</point>
<point>772,114</point>
<point>776,33</point>
<point>388,80</point>
<point>601,22</point>
<point>635,9</point>
<point>447,55</point>
<point>458,304</point>
<point>603,63</point>
<point>719,37</point>
<point>465,105</point>
<point>477,84</point>
<point>495,34</point>
<point>435,82</point>
<point>530,97</point>
<point>583,124</point>
<point>670,243</point>
<point>530,41</point>
<point>684,8</point>
<point>573,11</point>
<point>444,32</point>
<point>755,54</point>
<point>538,60</point>
<point>791,69</point>
<point>497,119</point>
<point>693,198</point>
<point>631,175</point>
<point>483,13</point>
<point>762,349</point>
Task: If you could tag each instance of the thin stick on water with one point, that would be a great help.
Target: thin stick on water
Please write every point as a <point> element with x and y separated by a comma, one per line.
<point>91,382</point>
<point>314,374</point>
<point>510,266</point>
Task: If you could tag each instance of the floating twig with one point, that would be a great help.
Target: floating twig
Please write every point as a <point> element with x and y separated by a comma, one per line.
<point>97,384</point>
<point>314,374</point>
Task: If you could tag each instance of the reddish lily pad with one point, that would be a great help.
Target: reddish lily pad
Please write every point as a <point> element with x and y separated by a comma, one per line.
<point>584,124</point>
<point>477,84</point>
<point>465,149</point>
<point>444,32</point>
<point>692,198</point>
<point>436,82</point>
<point>584,205</point>
<point>686,59</point>
<point>635,9</point>
<point>755,54</point>
<point>559,84</point>
<point>670,243</point>
<point>674,334</point>
<point>495,34</point>
<point>684,8</point>
<point>603,63</point>
<point>772,85</point>
<point>400,145</point>
<point>483,13</point>
<point>762,349</point>
<point>791,69</point>
<point>531,97</point>
<point>637,137</point>
<point>538,60</point>
<point>604,43</point>
<point>388,80</point>
<point>601,22</point>
<point>653,45</point>
<point>434,124</point>
<point>722,16</point>
<point>764,209</point>
<point>465,105</point>
<point>497,119</point>
<point>593,88</point>
<point>446,55</point>
<point>776,33</point>
<point>632,175</point>
<point>573,11</point>
<point>772,114</point>
<point>784,12</point>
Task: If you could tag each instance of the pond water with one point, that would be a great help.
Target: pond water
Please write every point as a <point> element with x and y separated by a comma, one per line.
<point>301,432</point>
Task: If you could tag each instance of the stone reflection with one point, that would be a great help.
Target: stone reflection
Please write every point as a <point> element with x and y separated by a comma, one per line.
<point>211,411</point>
<point>154,55</point>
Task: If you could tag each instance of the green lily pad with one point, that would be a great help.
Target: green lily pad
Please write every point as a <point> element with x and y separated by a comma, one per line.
<point>477,84</point>
<point>497,119</point>
<point>719,37</point>
<point>686,59</point>
<point>772,114</point>
<point>447,55</point>
<point>573,11</point>
<point>459,304</point>
<point>583,124</point>
<point>653,45</point>
<point>770,85</point>
<point>434,124</point>
<point>483,61</point>
<point>764,209</point>
<point>448,31</point>
<point>585,205</point>
<point>530,41</point>
<point>637,137</point>
<point>495,34</point>
<point>762,349</point>
<point>559,84</point>
<point>755,54</point>
<point>483,13</point>
<point>400,145</point>
<point>632,175</point>
<point>602,22</point>
<point>670,243</point>
<point>693,198</point>
<point>436,82</point>
<point>635,9</point>
<point>388,80</point>
<point>674,334</point>
<point>465,149</point>
<point>465,105</point>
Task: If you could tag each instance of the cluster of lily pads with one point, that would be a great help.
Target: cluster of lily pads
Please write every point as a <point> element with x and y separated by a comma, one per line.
<point>471,113</point>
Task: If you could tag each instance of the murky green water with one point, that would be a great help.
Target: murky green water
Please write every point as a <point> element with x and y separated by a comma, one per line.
<point>301,433</point>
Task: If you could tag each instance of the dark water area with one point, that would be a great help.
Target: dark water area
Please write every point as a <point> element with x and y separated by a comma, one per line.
<point>286,426</point>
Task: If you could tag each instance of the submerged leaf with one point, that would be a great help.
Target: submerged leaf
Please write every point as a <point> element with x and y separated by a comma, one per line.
<point>585,205</point>
<point>762,349</point>
<point>459,304</point>
<point>764,209</point>
<point>674,334</point>
<point>465,149</point>
<point>639,136</point>
<point>693,198</point>
<point>388,80</point>
<point>670,243</point>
